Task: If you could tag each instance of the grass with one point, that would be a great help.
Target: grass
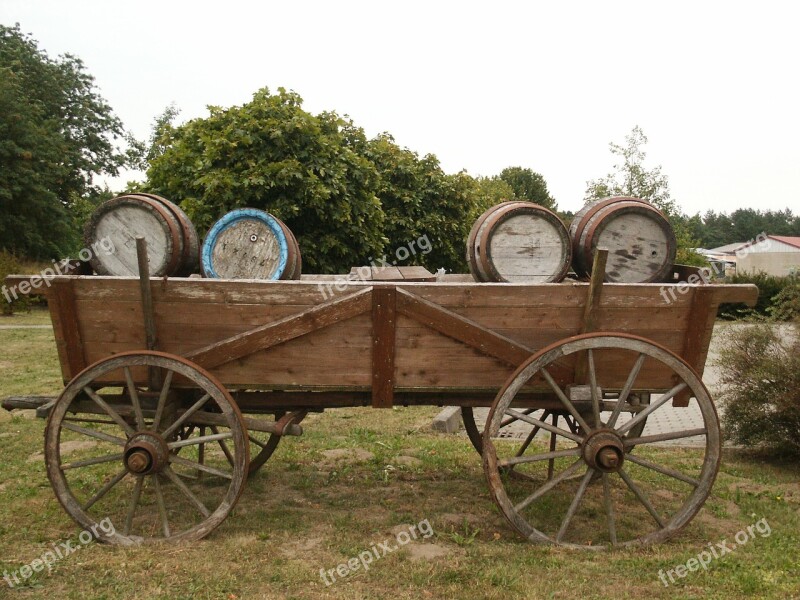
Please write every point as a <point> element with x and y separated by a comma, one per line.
<point>311,509</point>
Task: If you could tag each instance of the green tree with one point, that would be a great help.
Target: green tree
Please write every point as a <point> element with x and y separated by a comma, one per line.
<point>421,201</point>
<point>630,177</point>
<point>309,170</point>
<point>56,135</point>
<point>528,185</point>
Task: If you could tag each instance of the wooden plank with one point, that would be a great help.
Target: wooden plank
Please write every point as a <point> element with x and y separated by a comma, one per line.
<point>384,328</point>
<point>414,273</point>
<point>386,273</point>
<point>283,330</point>
<point>698,336</point>
<point>459,328</point>
<point>62,301</point>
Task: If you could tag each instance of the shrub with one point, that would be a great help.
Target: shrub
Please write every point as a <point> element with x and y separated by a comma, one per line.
<point>786,304</point>
<point>760,375</point>
<point>8,265</point>
<point>769,286</point>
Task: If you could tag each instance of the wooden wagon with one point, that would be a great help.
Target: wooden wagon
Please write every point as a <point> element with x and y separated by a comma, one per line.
<point>177,389</point>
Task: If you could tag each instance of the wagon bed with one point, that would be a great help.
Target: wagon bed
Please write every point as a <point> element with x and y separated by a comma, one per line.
<point>152,353</point>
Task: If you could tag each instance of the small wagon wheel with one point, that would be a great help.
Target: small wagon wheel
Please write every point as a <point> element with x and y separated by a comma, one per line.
<point>262,446</point>
<point>601,492</point>
<point>135,465</point>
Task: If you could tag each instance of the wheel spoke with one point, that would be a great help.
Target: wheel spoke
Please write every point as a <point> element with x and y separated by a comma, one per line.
<point>224,446</point>
<point>134,395</point>
<point>549,485</point>
<point>109,411</point>
<point>519,460</point>
<point>203,439</point>
<point>508,422</point>
<point>551,464</point>
<point>189,412</point>
<point>104,490</point>
<point>593,386</point>
<point>91,461</point>
<point>531,435</point>
<point>170,474</point>
<point>642,498</point>
<point>162,400</point>
<point>575,503</point>
<point>137,492</point>
<point>545,426</point>
<point>663,470</point>
<point>652,408</point>
<point>664,437</point>
<point>99,435</point>
<point>257,442</point>
<point>174,458</point>
<point>626,390</point>
<point>565,401</point>
<point>162,508</point>
<point>609,505</point>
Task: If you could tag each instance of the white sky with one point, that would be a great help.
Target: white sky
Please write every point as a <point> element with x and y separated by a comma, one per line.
<point>483,86</point>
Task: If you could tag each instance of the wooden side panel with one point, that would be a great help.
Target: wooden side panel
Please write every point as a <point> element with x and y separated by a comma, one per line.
<point>698,335</point>
<point>69,340</point>
<point>192,314</point>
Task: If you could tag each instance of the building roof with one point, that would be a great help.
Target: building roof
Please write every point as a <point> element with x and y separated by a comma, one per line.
<point>727,248</point>
<point>786,239</point>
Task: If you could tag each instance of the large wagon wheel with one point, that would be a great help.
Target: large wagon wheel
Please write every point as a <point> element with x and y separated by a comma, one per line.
<point>601,492</point>
<point>135,465</point>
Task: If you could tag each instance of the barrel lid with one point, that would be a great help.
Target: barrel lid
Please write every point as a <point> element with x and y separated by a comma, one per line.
<point>237,220</point>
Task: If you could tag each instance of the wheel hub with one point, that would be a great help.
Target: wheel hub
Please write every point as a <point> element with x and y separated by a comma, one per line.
<point>604,451</point>
<point>145,453</point>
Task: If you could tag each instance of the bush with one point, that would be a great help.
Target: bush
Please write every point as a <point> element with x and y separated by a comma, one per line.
<point>786,304</point>
<point>769,286</point>
<point>8,265</point>
<point>760,375</point>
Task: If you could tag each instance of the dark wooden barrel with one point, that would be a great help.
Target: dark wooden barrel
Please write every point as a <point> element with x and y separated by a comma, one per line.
<point>248,243</point>
<point>519,241</point>
<point>294,269</point>
<point>117,222</point>
<point>190,258</point>
<point>640,241</point>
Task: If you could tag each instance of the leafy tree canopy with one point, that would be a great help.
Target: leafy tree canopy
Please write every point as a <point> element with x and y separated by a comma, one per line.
<point>56,134</point>
<point>308,170</point>
<point>528,185</point>
<point>630,177</point>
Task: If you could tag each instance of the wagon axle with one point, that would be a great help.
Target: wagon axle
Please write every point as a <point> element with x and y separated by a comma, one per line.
<point>604,450</point>
<point>146,453</point>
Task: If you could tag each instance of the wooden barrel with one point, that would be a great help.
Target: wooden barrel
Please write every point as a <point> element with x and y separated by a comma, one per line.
<point>519,241</point>
<point>640,241</point>
<point>190,258</point>
<point>294,269</point>
<point>248,243</point>
<point>117,222</point>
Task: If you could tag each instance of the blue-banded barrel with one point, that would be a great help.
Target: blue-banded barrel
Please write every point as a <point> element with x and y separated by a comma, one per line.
<point>248,243</point>
<point>111,232</point>
<point>640,241</point>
